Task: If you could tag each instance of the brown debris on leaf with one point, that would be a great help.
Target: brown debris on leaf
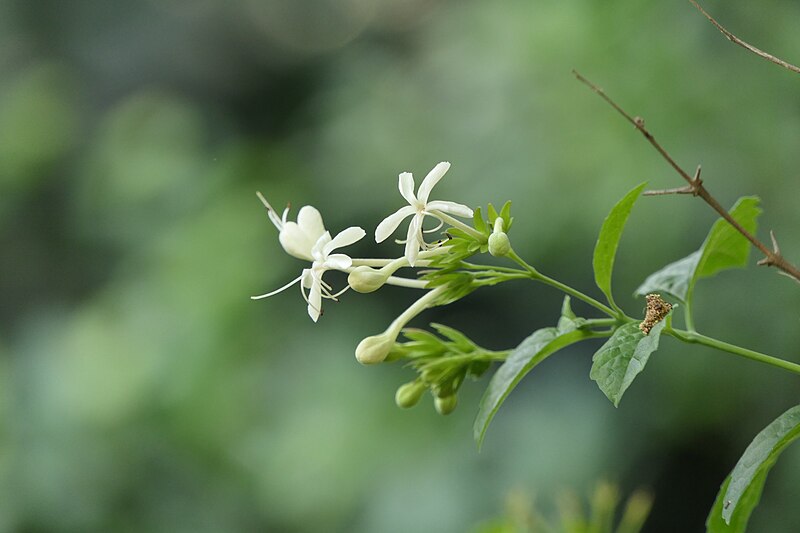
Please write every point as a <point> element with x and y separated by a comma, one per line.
<point>657,309</point>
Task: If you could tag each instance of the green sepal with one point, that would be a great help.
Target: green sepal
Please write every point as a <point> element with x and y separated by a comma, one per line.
<point>478,223</point>
<point>492,212</point>
<point>505,214</point>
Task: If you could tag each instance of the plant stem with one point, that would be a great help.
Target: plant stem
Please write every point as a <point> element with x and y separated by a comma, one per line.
<point>480,237</point>
<point>697,338</point>
<point>538,276</point>
<point>687,311</point>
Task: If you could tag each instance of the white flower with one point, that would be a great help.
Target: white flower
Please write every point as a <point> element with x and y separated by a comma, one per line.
<point>296,239</point>
<point>419,207</point>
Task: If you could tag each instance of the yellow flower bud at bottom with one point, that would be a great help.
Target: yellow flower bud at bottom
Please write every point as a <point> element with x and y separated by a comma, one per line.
<point>373,350</point>
<point>446,405</point>
<point>408,395</point>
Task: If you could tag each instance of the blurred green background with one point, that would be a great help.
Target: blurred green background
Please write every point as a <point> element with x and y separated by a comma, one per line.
<point>141,389</point>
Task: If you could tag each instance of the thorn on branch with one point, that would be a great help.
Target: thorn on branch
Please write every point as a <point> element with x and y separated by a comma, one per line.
<point>773,258</point>
<point>686,189</point>
<point>775,247</point>
<point>695,184</point>
<point>693,188</point>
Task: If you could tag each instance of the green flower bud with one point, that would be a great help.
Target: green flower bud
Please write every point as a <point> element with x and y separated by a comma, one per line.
<point>446,405</point>
<point>364,279</point>
<point>373,350</point>
<point>499,245</point>
<point>408,395</point>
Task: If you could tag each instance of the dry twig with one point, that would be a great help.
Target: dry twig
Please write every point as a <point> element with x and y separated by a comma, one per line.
<point>734,39</point>
<point>772,257</point>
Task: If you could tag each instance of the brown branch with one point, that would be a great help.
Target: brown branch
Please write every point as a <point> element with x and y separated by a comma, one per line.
<point>772,257</point>
<point>734,39</point>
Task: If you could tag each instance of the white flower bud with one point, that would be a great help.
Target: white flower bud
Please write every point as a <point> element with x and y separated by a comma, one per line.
<point>364,279</point>
<point>408,395</point>
<point>499,244</point>
<point>373,350</point>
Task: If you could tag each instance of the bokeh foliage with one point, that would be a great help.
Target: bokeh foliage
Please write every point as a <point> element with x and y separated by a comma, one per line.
<point>140,389</point>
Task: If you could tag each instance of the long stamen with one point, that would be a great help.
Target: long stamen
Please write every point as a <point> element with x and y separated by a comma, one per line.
<point>279,290</point>
<point>273,216</point>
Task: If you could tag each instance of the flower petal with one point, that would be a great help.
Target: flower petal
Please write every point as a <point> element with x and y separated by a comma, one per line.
<point>390,223</point>
<point>315,300</point>
<point>317,251</point>
<point>460,210</point>
<point>412,240</point>
<point>345,238</point>
<point>432,179</point>
<point>295,241</point>
<point>310,221</point>
<point>337,262</point>
<point>406,185</point>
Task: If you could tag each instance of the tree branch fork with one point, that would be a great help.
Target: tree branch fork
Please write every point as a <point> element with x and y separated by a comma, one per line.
<point>695,187</point>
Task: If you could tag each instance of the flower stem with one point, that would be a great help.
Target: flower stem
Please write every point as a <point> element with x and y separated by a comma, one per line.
<point>697,338</point>
<point>414,309</point>
<point>458,224</point>
<point>538,276</point>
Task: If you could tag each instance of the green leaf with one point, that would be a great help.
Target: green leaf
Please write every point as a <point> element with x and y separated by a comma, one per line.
<point>673,279</point>
<point>758,459</point>
<point>738,521</point>
<point>723,248</point>
<point>532,351</point>
<point>606,248</point>
<point>622,358</point>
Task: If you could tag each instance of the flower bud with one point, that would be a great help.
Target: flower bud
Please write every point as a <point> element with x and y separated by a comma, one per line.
<point>364,279</point>
<point>446,405</point>
<point>499,244</point>
<point>408,395</point>
<point>373,350</point>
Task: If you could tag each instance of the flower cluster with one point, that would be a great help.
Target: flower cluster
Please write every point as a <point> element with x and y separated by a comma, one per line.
<point>446,277</point>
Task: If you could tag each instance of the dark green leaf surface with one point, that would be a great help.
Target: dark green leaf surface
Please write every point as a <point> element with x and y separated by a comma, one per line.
<point>606,248</point>
<point>759,457</point>
<point>741,515</point>
<point>532,351</point>
<point>723,248</point>
<point>622,358</point>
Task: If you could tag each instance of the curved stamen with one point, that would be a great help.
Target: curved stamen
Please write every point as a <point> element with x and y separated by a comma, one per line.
<point>279,290</point>
<point>437,228</point>
<point>335,296</point>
